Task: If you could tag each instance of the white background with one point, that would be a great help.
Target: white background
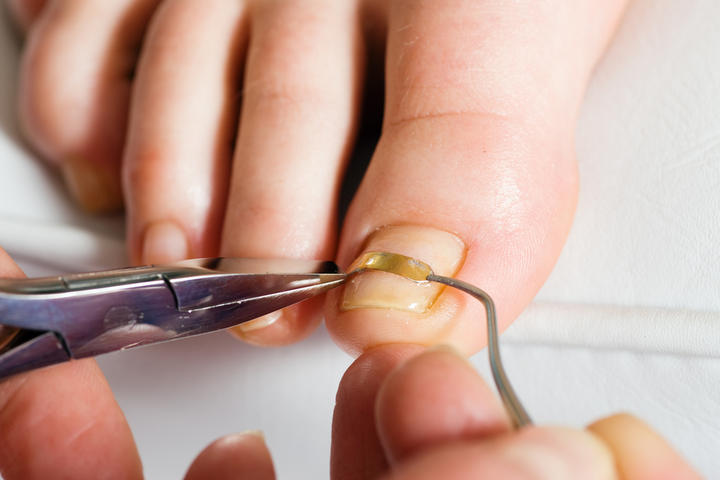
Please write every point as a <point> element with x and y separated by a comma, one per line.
<point>628,321</point>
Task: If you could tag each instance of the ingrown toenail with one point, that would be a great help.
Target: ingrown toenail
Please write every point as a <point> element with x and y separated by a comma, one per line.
<point>437,251</point>
<point>396,263</point>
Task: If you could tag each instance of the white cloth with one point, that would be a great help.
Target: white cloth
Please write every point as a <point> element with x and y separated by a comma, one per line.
<point>629,320</point>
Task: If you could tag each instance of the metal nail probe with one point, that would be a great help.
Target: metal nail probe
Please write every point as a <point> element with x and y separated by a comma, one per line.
<point>51,320</point>
<point>418,271</point>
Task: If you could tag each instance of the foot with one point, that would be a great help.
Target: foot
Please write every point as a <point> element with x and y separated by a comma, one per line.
<point>474,172</point>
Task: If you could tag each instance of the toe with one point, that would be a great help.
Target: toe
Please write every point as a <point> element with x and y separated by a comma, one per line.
<point>75,89</point>
<point>300,102</point>
<point>474,173</point>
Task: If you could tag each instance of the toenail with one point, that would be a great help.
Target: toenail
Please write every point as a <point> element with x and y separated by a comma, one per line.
<point>441,250</point>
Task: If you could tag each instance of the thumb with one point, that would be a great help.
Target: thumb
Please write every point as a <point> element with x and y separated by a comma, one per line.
<point>534,453</point>
<point>640,452</point>
<point>242,455</point>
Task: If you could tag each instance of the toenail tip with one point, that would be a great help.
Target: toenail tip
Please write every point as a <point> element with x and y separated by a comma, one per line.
<point>256,324</point>
<point>94,188</point>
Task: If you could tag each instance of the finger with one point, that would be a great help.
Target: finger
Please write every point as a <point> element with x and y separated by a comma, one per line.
<point>434,398</point>
<point>8,268</point>
<point>532,454</point>
<point>356,452</point>
<point>62,422</point>
<point>24,12</point>
<point>75,88</point>
<point>641,453</point>
<point>474,173</point>
<point>300,100</point>
<point>242,455</point>
<point>181,129</point>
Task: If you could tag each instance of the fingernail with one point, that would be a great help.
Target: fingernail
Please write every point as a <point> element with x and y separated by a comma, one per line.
<point>164,242</point>
<point>443,251</point>
<point>94,187</point>
<point>444,348</point>
<point>257,323</point>
<point>240,438</point>
<point>234,438</point>
<point>254,433</point>
<point>558,454</point>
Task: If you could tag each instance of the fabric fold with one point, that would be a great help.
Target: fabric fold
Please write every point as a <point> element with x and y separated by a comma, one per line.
<point>628,328</point>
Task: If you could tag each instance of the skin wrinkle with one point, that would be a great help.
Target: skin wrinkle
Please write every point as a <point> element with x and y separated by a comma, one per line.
<point>449,114</point>
<point>80,432</point>
<point>522,25</point>
<point>274,83</point>
<point>521,128</point>
<point>473,93</point>
<point>291,94</point>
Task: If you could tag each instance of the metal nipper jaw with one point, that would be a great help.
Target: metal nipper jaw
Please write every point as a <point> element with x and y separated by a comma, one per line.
<point>82,315</point>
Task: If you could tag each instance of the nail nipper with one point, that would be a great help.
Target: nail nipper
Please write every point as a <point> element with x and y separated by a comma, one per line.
<point>53,319</point>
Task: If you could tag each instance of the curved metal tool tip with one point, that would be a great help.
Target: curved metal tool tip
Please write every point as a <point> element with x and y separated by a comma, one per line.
<point>418,271</point>
<point>514,407</point>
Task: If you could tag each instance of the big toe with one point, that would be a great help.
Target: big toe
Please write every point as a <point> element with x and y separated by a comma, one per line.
<point>492,208</point>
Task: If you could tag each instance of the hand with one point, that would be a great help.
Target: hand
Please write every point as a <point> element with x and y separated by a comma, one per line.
<point>62,422</point>
<point>403,413</point>
<point>432,415</point>
<point>232,123</point>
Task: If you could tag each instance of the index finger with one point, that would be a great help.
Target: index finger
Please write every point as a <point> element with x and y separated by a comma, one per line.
<point>62,421</point>
<point>356,452</point>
